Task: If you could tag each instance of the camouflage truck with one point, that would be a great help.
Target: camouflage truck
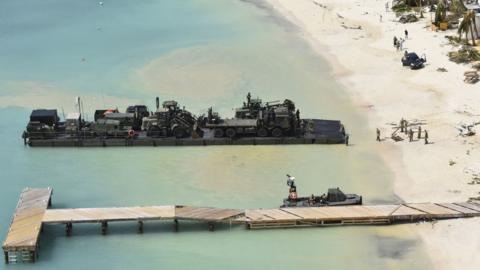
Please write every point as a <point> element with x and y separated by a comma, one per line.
<point>255,118</point>
<point>170,121</point>
<point>107,128</point>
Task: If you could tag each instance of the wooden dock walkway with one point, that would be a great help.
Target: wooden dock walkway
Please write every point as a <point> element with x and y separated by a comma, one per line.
<point>357,214</point>
<point>21,243</point>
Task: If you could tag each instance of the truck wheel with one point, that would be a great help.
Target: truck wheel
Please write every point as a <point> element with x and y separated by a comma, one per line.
<point>230,132</point>
<point>218,133</point>
<point>153,131</point>
<point>179,132</point>
<point>277,132</point>
<point>262,132</point>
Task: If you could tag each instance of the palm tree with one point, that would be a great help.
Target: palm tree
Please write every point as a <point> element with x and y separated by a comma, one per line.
<point>467,25</point>
<point>441,12</point>
<point>474,17</point>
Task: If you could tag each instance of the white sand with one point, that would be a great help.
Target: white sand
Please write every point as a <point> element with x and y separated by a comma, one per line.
<point>369,67</point>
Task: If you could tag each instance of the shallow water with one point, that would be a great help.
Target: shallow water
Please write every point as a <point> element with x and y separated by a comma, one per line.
<point>201,53</point>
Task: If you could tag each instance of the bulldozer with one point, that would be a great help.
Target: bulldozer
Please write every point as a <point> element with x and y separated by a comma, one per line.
<point>170,121</point>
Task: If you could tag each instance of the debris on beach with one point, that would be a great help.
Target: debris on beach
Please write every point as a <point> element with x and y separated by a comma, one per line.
<point>451,162</point>
<point>408,18</point>
<point>464,55</point>
<point>466,130</point>
<point>400,7</point>
<point>340,16</point>
<point>474,199</point>
<point>319,4</point>
<point>476,65</point>
<point>471,76</point>
<point>474,171</point>
<point>442,69</point>
<point>352,27</point>
<point>396,138</point>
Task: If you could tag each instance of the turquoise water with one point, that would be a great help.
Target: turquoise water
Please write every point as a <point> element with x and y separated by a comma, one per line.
<point>201,53</point>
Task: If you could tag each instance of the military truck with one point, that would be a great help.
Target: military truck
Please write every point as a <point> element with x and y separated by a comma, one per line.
<point>108,128</point>
<point>73,123</point>
<point>126,120</point>
<point>170,120</point>
<point>228,127</point>
<point>43,124</point>
<point>274,119</point>
<point>140,112</point>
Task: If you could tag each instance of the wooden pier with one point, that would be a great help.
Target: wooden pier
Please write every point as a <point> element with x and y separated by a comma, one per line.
<point>21,242</point>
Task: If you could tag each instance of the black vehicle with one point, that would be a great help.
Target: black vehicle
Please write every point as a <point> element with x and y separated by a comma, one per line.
<point>334,197</point>
<point>139,111</point>
<point>43,124</point>
<point>413,61</point>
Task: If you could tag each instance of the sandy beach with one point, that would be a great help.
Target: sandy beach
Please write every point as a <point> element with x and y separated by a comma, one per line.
<point>356,37</point>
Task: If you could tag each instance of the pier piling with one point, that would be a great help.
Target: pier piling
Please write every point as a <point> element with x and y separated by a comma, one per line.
<point>68,228</point>
<point>175,225</point>
<point>104,227</point>
<point>140,226</point>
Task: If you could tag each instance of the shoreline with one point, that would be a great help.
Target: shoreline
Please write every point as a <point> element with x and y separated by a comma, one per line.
<point>434,172</point>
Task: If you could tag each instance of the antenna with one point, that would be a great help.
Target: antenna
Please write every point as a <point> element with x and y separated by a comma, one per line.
<point>81,104</point>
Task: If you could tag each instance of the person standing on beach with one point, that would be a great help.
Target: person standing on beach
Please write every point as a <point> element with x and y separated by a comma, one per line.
<point>401,125</point>
<point>386,7</point>
<point>395,41</point>
<point>410,135</point>
<point>406,34</point>
<point>346,139</point>
<point>419,132</point>
<point>378,135</point>
<point>426,137</point>
<point>380,17</point>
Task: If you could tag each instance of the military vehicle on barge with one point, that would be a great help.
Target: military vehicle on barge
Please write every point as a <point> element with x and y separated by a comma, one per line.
<point>254,123</point>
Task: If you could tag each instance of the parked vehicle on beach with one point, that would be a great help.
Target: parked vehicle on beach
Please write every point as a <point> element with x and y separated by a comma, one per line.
<point>413,60</point>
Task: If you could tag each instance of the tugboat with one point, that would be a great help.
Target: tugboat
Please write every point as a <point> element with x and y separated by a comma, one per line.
<point>334,197</point>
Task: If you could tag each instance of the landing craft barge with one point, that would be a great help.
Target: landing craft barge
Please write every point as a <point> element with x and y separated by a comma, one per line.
<point>255,123</point>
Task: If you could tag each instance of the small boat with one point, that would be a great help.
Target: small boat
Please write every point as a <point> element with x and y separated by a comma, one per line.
<point>334,197</point>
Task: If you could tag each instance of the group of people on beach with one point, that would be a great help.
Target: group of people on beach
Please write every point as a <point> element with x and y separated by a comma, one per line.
<point>409,132</point>
<point>398,42</point>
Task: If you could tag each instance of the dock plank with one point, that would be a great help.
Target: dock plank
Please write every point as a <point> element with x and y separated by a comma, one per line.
<point>459,208</point>
<point>473,206</point>
<point>434,209</point>
<point>27,220</point>
<point>81,215</point>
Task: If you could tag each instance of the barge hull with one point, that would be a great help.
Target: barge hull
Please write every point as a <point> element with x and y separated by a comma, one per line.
<point>322,132</point>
